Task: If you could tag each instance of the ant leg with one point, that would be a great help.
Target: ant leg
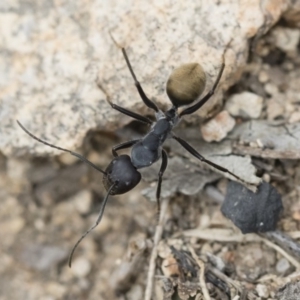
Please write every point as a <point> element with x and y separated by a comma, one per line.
<point>94,226</point>
<point>163,167</point>
<point>123,146</point>
<point>145,99</point>
<point>192,151</point>
<point>82,158</point>
<point>201,102</point>
<point>122,110</point>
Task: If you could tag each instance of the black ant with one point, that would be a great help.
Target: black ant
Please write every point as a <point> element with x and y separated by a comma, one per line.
<point>184,86</point>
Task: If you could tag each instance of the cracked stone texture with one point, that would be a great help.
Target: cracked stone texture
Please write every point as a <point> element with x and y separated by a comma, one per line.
<point>52,53</point>
<point>269,140</point>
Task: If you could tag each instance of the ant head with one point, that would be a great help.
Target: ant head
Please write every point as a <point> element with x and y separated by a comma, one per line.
<point>186,84</point>
<point>122,173</point>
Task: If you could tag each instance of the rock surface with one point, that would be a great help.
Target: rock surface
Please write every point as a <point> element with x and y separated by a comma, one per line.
<point>51,56</point>
<point>268,139</point>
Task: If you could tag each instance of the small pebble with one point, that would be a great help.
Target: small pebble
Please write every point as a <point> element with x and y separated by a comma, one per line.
<point>282,265</point>
<point>12,226</point>
<point>57,290</point>
<point>83,201</point>
<point>274,109</point>
<point>43,257</point>
<point>216,261</point>
<point>217,128</point>
<point>137,245</point>
<point>262,290</point>
<point>296,215</point>
<point>135,292</point>
<point>271,88</point>
<point>251,262</point>
<point>259,143</point>
<point>169,267</point>
<point>253,144</point>
<point>39,224</point>
<point>204,221</point>
<point>286,39</point>
<point>263,76</point>
<point>288,66</point>
<point>84,284</point>
<point>289,107</point>
<point>217,247</point>
<point>206,248</point>
<point>81,267</point>
<point>245,105</point>
<point>17,168</point>
<point>295,117</point>
<point>67,159</point>
<point>266,177</point>
<point>61,213</point>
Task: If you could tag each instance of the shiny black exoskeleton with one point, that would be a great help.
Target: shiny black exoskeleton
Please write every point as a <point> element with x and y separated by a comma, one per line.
<point>148,150</point>
<point>184,87</point>
<point>122,173</point>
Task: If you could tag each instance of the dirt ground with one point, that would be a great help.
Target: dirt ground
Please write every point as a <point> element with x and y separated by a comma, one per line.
<point>47,204</point>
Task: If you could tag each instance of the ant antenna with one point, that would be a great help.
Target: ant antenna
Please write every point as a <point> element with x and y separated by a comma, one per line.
<point>82,158</point>
<point>125,56</point>
<point>113,39</point>
<point>95,225</point>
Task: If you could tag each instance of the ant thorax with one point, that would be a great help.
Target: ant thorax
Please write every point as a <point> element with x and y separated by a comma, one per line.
<point>159,115</point>
<point>148,149</point>
<point>171,115</point>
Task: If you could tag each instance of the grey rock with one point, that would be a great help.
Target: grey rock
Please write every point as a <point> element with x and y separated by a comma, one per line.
<point>252,212</point>
<point>290,291</point>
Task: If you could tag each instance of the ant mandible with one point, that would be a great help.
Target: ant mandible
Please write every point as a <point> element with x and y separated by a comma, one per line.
<point>184,86</point>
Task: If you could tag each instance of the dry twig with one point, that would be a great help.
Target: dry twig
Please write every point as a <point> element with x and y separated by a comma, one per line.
<point>202,274</point>
<point>157,237</point>
<point>226,279</point>
<point>291,259</point>
<point>228,235</point>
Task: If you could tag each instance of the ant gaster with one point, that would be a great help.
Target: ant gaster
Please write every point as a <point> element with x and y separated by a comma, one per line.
<point>184,86</point>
